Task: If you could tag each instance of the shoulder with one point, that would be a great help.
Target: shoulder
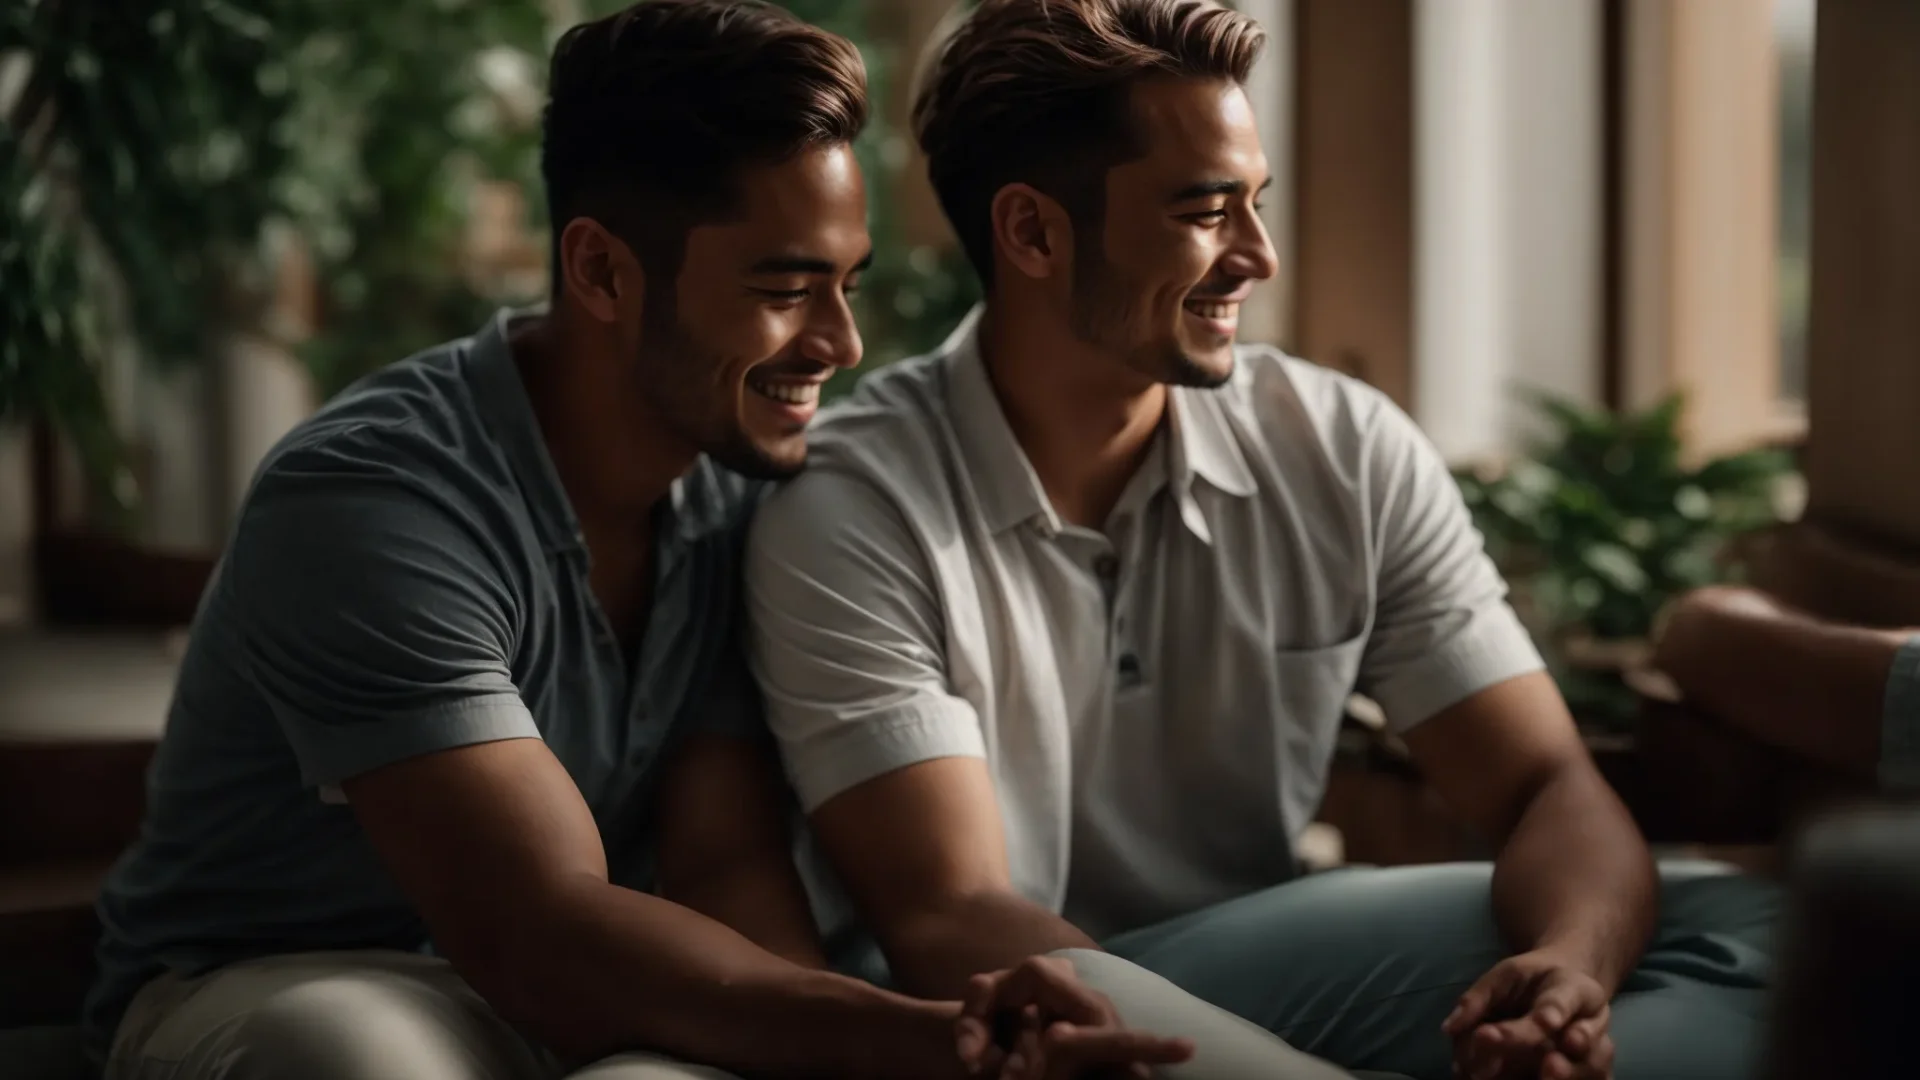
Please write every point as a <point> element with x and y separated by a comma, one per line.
<point>877,476</point>
<point>350,467</point>
<point>1280,397</point>
<point>412,423</point>
<point>897,409</point>
<point>887,441</point>
<point>1276,385</point>
<point>412,434</point>
<point>361,496</point>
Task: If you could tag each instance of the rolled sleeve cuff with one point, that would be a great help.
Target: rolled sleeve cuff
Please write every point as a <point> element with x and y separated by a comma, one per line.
<point>878,743</point>
<point>1900,722</point>
<point>331,752</point>
<point>1492,648</point>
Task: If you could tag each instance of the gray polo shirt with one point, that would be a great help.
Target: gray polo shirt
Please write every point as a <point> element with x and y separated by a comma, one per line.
<point>1157,699</point>
<point>406,576</point>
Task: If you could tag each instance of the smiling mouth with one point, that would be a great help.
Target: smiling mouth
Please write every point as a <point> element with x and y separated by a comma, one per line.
<point>787,393</point>
<point>1213,309</point>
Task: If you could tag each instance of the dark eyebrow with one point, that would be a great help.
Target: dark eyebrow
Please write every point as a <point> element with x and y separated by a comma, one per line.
<point>1206,188</point>
<point>803,264</point>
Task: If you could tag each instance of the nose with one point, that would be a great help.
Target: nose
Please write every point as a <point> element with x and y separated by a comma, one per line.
<point>832,337</point>
<point>1251,254</point>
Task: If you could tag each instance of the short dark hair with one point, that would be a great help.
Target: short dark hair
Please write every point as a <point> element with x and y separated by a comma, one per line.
<point>653,111</point>
<point>1036,91</point>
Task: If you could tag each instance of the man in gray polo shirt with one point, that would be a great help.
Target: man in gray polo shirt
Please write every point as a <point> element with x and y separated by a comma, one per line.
<point>1057,629</point>
<point>399,824</point>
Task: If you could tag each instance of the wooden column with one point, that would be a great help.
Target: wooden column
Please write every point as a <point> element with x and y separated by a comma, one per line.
<point>1856,556</point>
<point>1353,196</point>
<point>1863,455</point>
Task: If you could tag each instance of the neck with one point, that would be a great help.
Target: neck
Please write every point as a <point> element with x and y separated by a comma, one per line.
<point>614,465</point>
<point>1083,420</point>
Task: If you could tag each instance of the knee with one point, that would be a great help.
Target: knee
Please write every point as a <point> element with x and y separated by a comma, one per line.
<point>643,1066</point>
<point>1704,899</point>
<point>1103,970</point>
<point>339,1029</point>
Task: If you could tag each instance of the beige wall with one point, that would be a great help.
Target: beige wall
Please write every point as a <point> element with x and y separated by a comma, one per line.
<point>1700,145</point>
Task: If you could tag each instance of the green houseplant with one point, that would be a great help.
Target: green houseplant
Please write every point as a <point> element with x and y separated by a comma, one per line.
<point>136,158</point>
<point>1602,522</point>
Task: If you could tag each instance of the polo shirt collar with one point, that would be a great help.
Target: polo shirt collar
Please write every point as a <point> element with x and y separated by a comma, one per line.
<point>1205,444</point>
<point>1202,444</point>
<point>1009,490</point>
<point>501,399</point>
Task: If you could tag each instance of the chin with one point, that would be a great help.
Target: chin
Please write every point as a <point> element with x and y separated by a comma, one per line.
<point>1204,368</point>
<point>757,459</point>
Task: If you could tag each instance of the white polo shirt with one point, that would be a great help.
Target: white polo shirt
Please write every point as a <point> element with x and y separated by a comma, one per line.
<point>1157,700</point>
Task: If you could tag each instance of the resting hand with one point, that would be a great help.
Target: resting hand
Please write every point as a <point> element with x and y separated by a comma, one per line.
<point>1051,1026</point>
<point>1533,1015</point>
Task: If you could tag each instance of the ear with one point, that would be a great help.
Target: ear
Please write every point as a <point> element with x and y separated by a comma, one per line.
<point>599,271</point>
<point>1031,230</point>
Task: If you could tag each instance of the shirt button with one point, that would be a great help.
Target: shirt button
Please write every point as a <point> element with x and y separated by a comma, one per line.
<point>1106,567</point>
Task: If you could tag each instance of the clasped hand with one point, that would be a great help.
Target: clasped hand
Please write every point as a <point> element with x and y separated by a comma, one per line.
<point>1038,1021</point>
<point>1532,1016</point>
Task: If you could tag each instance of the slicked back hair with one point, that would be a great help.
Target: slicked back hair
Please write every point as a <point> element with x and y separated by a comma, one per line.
<point>1037,92</point>
<point>654,111</point>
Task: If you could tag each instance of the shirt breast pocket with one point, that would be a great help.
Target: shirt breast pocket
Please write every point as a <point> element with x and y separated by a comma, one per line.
<point>1310,691</point>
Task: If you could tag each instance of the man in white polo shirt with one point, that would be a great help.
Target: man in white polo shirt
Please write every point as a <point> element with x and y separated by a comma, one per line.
<point>1057,629</point>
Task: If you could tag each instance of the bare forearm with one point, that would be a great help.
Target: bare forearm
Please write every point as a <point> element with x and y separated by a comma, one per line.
<point>936,951</point>
<point>1575,876</point>
<point>1817,689</point>
<point>606,969</point>
<point>761,899</point>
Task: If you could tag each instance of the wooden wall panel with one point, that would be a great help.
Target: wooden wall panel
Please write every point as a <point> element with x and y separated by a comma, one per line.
<point>1353,208</point>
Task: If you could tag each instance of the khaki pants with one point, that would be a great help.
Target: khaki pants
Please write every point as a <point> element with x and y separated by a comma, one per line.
<point>401,1016</point>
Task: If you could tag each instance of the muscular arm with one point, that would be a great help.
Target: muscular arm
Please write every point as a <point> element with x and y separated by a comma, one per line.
<point>1573,875</point>
<point>725,850</point>
<point>849,649</point>
<point>495,846</point>
<point>378,625</point>
<point>1813,687</point>
<point>922,854</point>
<point>1461,682</point>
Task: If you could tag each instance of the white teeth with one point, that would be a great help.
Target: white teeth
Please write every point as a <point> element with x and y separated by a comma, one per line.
<point>1212,310</point>
<point>791,393</point>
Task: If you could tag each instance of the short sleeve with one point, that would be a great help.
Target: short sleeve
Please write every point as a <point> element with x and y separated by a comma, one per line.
<point>1900,723</point>
<point>1443,630</point>
<point>369,615</point>
<point>847,639</point>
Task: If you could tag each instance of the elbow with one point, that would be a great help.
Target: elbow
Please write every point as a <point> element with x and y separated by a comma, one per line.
<point>1568,788</point>
<point>918,937</point>
<point>521,965</point>
<point>500,964</point>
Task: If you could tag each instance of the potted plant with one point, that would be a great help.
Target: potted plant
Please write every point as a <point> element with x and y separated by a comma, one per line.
<point>1603,522</point>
